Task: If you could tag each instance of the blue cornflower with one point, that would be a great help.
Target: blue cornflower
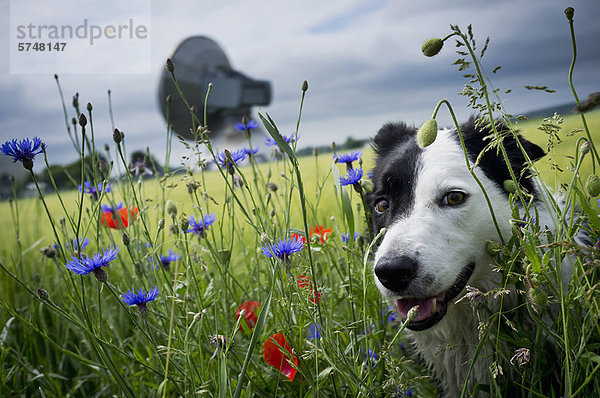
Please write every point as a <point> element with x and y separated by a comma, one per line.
<point>94,191</point>
<point>237,157</point>
<point>140,299</point>
<point>107,208</point>
<point>249,151</point>
<point>348,157</point>
<point>86,264</point>
<point>168,259</point>
<point>370,358</point>
<point>353,177</point>
<point>391,314</point>
<point>23,151</point>
<point>283,248</point>
<point>345,237</point>
<point>198,227</point>
<point>75,244</point>
<point>314,331</point>
<point>252,124</point>
<point>271,142</point>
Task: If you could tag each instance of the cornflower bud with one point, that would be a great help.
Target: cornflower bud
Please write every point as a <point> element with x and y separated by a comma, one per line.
<point>170,66</point>
<point>304,85</point>
<point>569,11</point>
<point>126,240</point>
<point>89,107</point>
<point>43,294</point>
<point>184,224</point>
<point>82,120</point>
<point>117,136</point>
<point>161,223</point>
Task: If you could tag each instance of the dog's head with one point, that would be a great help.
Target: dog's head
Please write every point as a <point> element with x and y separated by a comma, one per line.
<point>436,215</point>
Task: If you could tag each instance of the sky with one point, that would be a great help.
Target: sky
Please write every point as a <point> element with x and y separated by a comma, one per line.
<point>362,61</point>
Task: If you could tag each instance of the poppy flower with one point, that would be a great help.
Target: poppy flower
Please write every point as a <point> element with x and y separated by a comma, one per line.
<point>278,353</point>
<point>249,307</point>
<point>108,217</point>
<point>318,231</point>
<point>304,282</point>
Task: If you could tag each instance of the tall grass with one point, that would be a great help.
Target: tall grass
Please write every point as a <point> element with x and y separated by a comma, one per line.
<point>227,304</point>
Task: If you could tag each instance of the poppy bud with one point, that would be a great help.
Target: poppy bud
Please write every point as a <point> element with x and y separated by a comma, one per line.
<point>510,186</point>
<point>592,185</point>
<point>427,133</point>
<point>170,66</point>
<point>585,148</point>
<point>538,296</point>
<point>171,208</point>
<point>432,46</point>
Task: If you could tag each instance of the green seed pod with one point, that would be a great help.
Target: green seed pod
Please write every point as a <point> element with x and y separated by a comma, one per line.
<point>510,186</point>
<point>592,185</point>
<point>538,296</point>
<point>432,46</point>
<point>427,133</point>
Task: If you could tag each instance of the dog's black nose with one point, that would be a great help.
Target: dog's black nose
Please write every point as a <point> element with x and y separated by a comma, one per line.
<point>396,273</point>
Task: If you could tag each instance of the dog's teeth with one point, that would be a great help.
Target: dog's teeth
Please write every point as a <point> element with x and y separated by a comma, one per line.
<point>434,305</point>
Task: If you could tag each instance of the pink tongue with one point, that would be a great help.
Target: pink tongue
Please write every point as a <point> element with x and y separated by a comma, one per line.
<point>425,306</point>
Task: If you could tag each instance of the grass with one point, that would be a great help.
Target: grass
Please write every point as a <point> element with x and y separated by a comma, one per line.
<point>77,337</point>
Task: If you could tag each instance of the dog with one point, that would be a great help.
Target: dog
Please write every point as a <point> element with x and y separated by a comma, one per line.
<point>438,224</point>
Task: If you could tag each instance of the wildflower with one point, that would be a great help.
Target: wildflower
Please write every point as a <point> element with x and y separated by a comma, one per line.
<point>348,158</point>
<point>23,151</point>
<point>271,142</point>
<point>169,258</point>
<point>75,245</point>
<point>522,357</point>
<point>346,238</point>
<point>86,264</point>
<point>283,248</point>
<point>140,299</point>
<point>251,125</point>
<point>126,215</point>
<point>139,168</point>
<point>391,314</point>
<point>370,358</point>
<point>353,177</point>
<point>236,156</point>
<point>249,151</point>
<point>247,310</point>
<point>320,232</point>
<point>427,133</point>
<point>314,331</point>
<point>304,282</point>
<point>432,46</point>
<point>278,353</point>
<point>199,227</point>
<point>88,187</point>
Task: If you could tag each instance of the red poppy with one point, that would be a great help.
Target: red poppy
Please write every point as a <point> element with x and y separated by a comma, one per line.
<point>304,282</point>
<point>321,232</point>
<point>317,230</point>
<point>278,353</point>
<point>249,315</point>
<point>108,218</point>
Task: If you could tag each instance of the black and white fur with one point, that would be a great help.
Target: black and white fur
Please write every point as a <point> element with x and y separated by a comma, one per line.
<point>435,244</point>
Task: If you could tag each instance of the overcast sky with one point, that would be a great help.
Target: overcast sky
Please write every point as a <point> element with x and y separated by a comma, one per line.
<point>361,58</point>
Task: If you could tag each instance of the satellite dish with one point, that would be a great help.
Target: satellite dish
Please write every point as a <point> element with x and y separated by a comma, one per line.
<point>199,61</point>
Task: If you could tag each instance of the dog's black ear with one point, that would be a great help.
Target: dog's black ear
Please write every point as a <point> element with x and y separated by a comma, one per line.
<point>533,151</point>
<point>390,135</point>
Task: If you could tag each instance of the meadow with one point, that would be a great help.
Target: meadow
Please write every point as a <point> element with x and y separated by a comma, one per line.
<point>255,280</point>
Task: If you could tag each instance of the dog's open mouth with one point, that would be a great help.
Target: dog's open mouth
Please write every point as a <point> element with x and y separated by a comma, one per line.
<point>433,309</point>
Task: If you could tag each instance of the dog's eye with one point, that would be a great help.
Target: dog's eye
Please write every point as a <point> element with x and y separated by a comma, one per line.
<point>454,198</point>
<point>381,206</point>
